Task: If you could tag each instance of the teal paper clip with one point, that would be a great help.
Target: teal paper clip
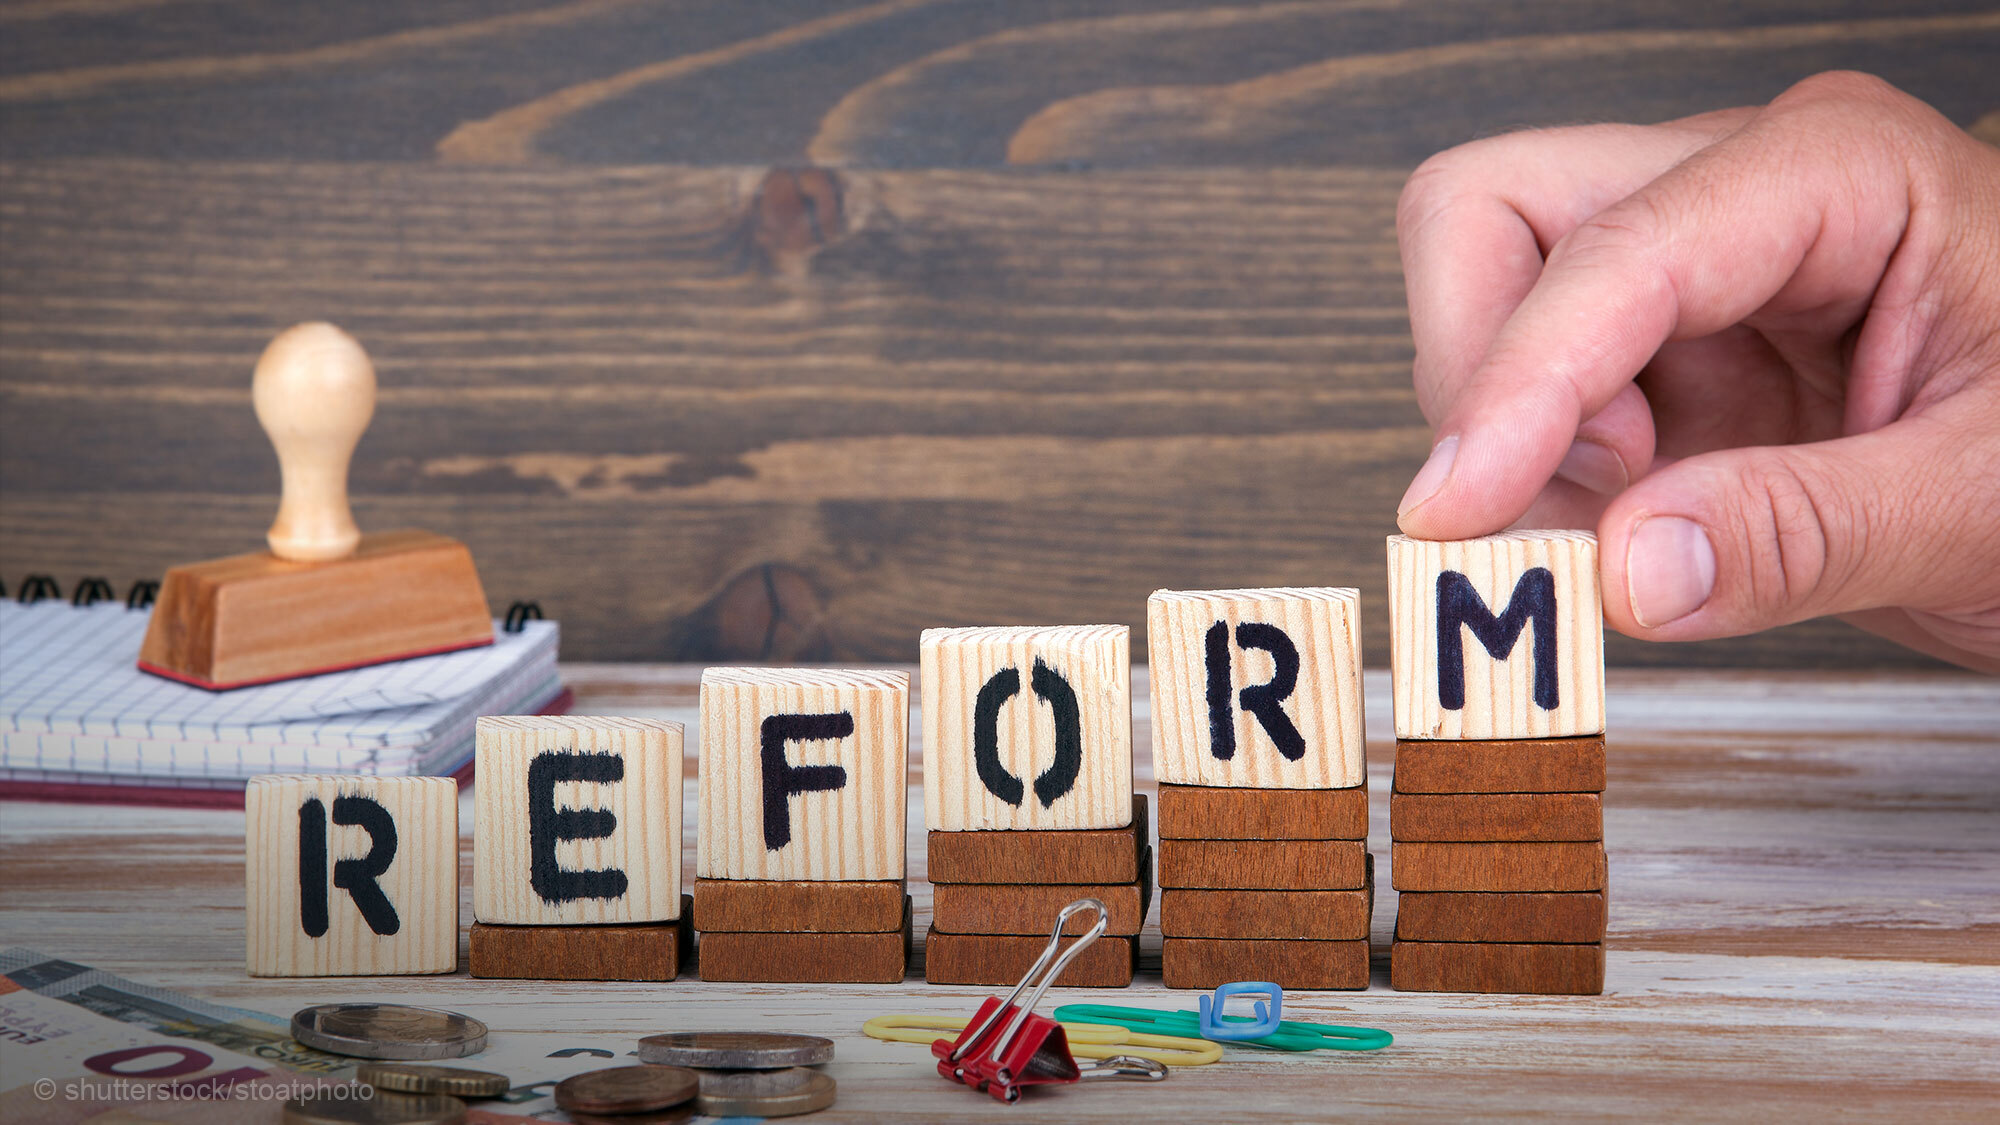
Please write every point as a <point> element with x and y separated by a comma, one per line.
<point>1292,1035</point>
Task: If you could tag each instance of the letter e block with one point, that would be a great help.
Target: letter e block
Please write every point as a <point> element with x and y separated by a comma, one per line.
<point>1257,688</point>
<point>350,876</point>
<point>804,774</point>
<point>577,820</point>
<point>1027,727</point>
<point>1497,638</point>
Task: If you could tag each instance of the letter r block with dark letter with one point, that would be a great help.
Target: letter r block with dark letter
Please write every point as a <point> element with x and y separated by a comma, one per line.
<point>1497,638</point>
<point>577,820</point>
<point>350,876</point>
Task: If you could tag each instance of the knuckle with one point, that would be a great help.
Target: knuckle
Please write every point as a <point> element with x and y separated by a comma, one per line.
<point>1841,88</point>
<point>1429,190</point>
<point>1801,534</point>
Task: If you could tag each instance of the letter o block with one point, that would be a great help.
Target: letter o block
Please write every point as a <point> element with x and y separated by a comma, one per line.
<point>1497,638</point>
<point>1027,728</point>
<point>577,820</point>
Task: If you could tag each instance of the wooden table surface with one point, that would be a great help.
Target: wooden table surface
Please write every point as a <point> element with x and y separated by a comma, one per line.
<point>1804,923</point>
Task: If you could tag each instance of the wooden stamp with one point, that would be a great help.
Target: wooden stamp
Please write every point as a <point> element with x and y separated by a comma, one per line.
<point>350,876</point>
<point>1551,765</point>
<point>651,951</point>
<point>1027,728</point>
<point>1257,688</point>
<point>1422,966</point>
<point>1202,812</point>
<point>994,960</point>
<point>324,597</point>
<point>1291,915</point>
<point>803,774</point>
<point>1107,855</point>
<point>801,958</point>
<point>1501,637</point>
<point>1027,908</point>
<point>1469,817</point>
<point>800,906</point>
<point>578,820</point>
<point>1497,867</point>
<point>1487,916</point>
<point>1209,962</point>
<point>1277,865</point>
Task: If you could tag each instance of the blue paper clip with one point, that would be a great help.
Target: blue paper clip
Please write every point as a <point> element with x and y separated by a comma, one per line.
<point>1235,1029</point>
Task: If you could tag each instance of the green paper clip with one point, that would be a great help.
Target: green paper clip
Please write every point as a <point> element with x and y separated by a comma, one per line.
<point>1292,1035</point>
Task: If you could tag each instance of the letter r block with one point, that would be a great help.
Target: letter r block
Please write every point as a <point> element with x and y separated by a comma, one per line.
<point>1496,638</point>
<point>577,820</point>
<point>804,774</point>
<point>350,876</point>
<point>1027,727</point>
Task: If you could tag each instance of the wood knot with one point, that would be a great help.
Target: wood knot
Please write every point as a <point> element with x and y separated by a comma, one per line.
<point>769,612</point>
<point>796,213</point>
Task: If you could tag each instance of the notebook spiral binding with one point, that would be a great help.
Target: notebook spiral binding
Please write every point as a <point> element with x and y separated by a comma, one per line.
<point>92,589</point>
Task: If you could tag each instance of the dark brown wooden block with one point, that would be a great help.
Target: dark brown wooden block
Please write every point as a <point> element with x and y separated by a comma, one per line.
<point>1424,966</point>
<point>771,906</point>
<point>1002,959</point>
<point>1101,855</point>
<point>1295,915</point>
<point>1029,908</point>
<point>1208,962</point>
<point>625,951</point>
<point>1465,817</point>
<point>1205,812</point>
<point>1476,916</point>
<point>1279,865</point>
<point>799,958</point>
<point>1497,867</point>
<point>1534,765</point>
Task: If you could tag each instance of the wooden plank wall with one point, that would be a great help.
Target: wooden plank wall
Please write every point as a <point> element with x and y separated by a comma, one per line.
<point>786,330</point>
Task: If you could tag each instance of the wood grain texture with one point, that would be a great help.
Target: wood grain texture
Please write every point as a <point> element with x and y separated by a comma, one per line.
<point>1296,915</point>
<point>1466,916</point>
<point>802,958</point>
<point>1507,686</point>
<point>846,833</point>
<point>1420,966</point>
<point>413,929</point>
<point>1496,816</point>
<point>1319,708</point>
<point>798,906</point>
<point>997,960</point>
<point>1036,687</point>
<point>1029,908</point>
<point>1279,865</point>
<point>1107,855</point>
<point>647,951</point>
<point>530,769</point>
<point>1497,867</point>
<point>1207,963</point>
<point>1199,812</point>
<point>1542,765</point>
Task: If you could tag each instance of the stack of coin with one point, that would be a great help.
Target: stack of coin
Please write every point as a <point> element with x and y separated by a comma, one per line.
<point>402,1094</point>
<point>748,1074</point>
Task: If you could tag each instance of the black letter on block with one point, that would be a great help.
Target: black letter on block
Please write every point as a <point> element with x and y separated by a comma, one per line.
<point>1055,691</point>
<point>783,779</point>
<point>993,694</point>
<point>1534,599</point>
<point>1266,700</point>
<point>357,876</point>
<point>312,867</point>
<point>548,825</point>
<point>1221,713</point>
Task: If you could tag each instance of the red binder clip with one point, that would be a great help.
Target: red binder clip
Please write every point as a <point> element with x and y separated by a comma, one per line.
<point>1032,1050</point>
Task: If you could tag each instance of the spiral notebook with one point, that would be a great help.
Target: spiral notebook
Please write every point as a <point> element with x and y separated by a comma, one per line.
<point>79,721</point>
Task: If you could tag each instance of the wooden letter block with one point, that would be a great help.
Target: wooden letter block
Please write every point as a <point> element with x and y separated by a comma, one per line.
<point>651,951</point>
<point>756,906</point>
<point>1496,816</point>
<point>1294,915</point>
<point>1109,855</point>
<point>1497,867</point>
<point>1027,908</point>
<point>1501,637</point>
<point>1421,966</point>
<point>1209,962</point>
<point>1277,865</point>
<point>1552,765</point>
<point>993,960</point>
<point>1475,916</point>
<point>799,958</point>
<point>1257,688</point>
<point>804,772</point>
<point>350,876</point>
<point>1027,728</point>
<point>578,820</point>
<point>1199,812</point>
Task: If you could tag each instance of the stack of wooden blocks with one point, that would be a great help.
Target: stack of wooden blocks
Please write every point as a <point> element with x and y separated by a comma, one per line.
<point>1028,800</point>
<point>799,854</point>
<point>1258,748</point>
<point>1496,821</point>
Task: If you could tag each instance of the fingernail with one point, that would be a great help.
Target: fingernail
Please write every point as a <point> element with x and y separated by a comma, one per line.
<point>1431,477</point>
<point>1669,569</point>
<point>1595,466</point>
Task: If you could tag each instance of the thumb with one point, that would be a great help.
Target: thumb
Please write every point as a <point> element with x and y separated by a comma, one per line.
<point>1739,540</point>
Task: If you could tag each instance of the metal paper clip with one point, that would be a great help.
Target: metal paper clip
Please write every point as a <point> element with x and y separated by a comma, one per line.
<point>1032,1050</point>
<point>1214,1025</point>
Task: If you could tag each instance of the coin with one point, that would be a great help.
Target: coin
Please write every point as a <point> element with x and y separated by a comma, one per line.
<point>673,1116</point>
<point>415,1078</point>
<point>626,1089</point>
<point>388,1031</point>
<point>735,1050</point>
<point>763,1093</point>
<point>359,1105</point>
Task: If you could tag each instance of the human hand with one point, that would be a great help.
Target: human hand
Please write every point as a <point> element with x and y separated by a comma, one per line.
<point>1762,357</point>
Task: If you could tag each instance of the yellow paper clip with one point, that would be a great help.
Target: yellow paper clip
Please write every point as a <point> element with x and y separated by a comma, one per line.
<point>1086,1040</point>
